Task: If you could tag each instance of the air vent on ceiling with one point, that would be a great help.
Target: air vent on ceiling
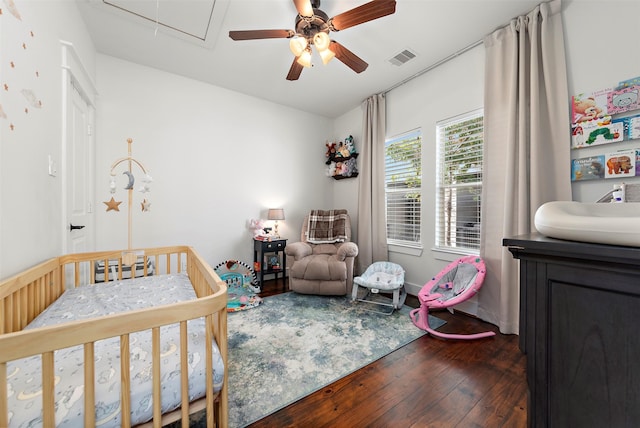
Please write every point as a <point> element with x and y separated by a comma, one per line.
<point>402,57</point>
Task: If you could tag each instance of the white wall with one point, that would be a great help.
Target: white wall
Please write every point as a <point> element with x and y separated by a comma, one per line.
<point>603,48</point>
<point>30,199</point>
<point>345,192</point>
<point>218,159</point>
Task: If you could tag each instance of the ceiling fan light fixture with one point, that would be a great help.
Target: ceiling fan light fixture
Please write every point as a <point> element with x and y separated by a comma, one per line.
<point>298,45</point>
<point>321,41</point>
<point>313,27</point>
<point>304,59</point>
<point>326,55</point>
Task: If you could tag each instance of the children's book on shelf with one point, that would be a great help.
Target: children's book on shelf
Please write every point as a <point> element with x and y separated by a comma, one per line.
<point>589,168</point>
<point>596,132</point>
<point>638,162</point>
<point>633,127</point>
<point>620,164</point>
<point>622,100</point>
<point>629,82</point>
<point>589,106</point>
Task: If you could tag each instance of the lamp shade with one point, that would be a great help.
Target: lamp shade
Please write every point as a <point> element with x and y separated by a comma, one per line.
<point>305,58</point>
<point>321,40</point>
<point>326,55</point>
<point>297,45</point>
<point>275,214</point>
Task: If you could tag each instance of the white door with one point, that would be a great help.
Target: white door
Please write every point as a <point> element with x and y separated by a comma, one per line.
<point>80,173</point>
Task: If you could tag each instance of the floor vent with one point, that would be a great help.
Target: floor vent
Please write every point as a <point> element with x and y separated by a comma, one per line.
<point>402,57</point>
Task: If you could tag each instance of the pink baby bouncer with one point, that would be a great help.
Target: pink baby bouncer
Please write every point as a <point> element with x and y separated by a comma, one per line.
<point>457,282</point>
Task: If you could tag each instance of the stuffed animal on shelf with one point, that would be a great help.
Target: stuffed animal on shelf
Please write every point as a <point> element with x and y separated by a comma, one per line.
<point>331,152</point>
<point>331,169</point>
<point>342,150</point>
<point>349,167</point>
<point>257,226</point>
<point>350,145</point>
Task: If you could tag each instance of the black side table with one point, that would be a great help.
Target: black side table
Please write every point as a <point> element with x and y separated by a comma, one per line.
<point>269,257</point>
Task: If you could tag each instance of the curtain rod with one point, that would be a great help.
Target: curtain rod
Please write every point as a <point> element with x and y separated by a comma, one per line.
<point>437,64</point>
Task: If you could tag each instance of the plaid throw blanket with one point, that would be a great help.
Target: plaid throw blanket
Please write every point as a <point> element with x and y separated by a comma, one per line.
<point>327,226</point>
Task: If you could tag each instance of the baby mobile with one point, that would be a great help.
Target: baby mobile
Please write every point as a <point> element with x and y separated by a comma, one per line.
<point>129,258</point>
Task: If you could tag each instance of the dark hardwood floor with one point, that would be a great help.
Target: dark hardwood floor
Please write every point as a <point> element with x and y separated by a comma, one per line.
<point>428,383</point>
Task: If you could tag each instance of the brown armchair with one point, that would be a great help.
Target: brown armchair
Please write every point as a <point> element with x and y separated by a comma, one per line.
<point>318,266</point>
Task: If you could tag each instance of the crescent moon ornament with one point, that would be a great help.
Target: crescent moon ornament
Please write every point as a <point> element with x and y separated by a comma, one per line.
<point>132,180</point>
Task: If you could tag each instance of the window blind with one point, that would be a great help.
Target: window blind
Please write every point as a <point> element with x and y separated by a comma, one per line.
<point>459,182</point>
<point>403,188</point>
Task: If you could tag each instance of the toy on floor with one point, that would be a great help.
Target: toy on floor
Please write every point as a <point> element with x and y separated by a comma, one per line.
<point>241,288</point>
<point>381,277</point>
<point>457,282</point>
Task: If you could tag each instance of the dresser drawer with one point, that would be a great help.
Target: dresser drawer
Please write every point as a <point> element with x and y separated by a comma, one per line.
<point>273,246</point>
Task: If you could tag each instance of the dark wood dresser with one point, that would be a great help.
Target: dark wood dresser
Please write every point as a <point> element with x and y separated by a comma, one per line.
<point>580,329</point>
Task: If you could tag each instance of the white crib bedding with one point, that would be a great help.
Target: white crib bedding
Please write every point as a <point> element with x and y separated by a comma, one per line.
<point>24,376</point>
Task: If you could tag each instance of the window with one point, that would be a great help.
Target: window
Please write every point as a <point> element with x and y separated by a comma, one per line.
<point>403,194</point>
<point>459,182</point>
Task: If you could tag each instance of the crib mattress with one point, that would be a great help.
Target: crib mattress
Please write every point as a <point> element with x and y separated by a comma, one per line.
<point>24,377</point>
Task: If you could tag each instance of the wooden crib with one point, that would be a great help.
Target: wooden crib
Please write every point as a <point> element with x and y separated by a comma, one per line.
<point>26,295</point>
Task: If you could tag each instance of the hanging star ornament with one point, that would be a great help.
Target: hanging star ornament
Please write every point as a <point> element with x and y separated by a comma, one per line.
<point>146,206</point>
<point>112,205</point>
<point>144,188</point>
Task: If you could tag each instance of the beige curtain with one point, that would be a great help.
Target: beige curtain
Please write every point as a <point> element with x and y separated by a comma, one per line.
<point>372,223</point>
<point>527,160</point>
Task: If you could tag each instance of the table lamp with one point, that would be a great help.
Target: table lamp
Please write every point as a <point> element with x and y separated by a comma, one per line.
<point>275,214</point>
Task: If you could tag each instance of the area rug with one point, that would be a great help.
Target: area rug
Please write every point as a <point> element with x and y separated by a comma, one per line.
<point>294,344</point>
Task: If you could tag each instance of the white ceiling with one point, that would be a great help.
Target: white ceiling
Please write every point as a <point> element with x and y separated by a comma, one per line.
<point>191,38</point>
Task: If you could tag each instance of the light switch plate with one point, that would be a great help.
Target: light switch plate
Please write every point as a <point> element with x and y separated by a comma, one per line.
<point>53,168</point>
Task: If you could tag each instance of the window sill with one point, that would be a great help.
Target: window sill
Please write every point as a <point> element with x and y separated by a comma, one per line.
<point>402,249</point>
<point>450,254</point>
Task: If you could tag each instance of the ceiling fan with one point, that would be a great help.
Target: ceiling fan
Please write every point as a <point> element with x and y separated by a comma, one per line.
<point>312,27</point>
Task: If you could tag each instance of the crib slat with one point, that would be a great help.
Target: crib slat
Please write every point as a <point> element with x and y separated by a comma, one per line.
<point>48,390</point>
<point>125,381</point>
<point>76,274</point>
<point>37,299</point>
<point>209,365</point>
<point>106,270</point>
<point>157,401</point>
<point>120,268</point>
<point>184,373</point>
<point>30,302</point>
<point>4,406</point>
<point>89,386</point>
<point>24,307</point>
<point>8,313</point>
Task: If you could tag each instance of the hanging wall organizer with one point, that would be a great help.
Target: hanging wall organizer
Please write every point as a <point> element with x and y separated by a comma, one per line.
<point>341,159</point>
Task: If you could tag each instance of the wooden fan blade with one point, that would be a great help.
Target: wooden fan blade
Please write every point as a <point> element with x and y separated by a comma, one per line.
<point>304,7</point>
<point>350,59</point>
<point>295,70</point>
<point>367,12</point>
<point>261,34</point>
